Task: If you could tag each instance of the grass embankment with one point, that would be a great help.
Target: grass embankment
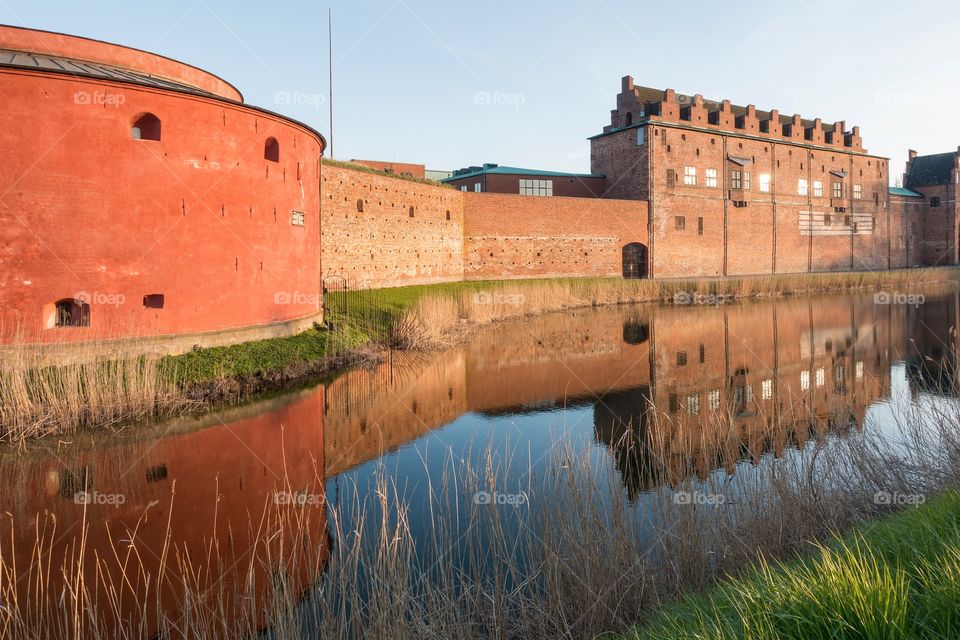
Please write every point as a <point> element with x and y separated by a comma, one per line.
<point>65,398</point>
<point>897,578</point>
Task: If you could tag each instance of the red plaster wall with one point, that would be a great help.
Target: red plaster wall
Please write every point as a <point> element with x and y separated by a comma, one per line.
<point>513,236</point>
<point>199,216</point>
<point>383,245</point>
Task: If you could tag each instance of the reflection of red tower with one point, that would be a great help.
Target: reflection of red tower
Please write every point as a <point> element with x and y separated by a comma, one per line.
<point>236,510</point>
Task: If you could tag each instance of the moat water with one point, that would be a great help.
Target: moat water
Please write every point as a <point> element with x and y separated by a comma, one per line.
<point>592,382</point>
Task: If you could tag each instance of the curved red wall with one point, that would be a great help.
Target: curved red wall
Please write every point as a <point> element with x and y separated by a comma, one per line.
<point>199,216</point>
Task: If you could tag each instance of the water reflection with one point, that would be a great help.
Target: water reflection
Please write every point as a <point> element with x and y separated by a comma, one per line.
<point>665,392</point>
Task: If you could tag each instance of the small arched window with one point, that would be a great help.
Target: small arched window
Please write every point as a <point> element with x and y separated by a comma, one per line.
<point>71,312</point>
<point>360,205</point>
<point>271,150</point>
<point>629,118</point>
<point>146,127</point>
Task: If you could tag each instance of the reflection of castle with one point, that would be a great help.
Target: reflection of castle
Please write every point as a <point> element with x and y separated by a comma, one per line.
<point>172,502</point>
<point>932,356</point>
<point>696,387</point>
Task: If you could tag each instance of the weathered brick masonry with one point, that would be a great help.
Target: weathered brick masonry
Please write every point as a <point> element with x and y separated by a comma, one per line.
<point>513,236</point>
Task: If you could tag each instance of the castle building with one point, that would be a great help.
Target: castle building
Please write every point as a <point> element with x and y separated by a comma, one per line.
<point>733,190</point>
<point>934,230</point>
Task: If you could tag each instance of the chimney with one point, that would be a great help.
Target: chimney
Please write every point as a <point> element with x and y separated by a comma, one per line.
<point>751,111</point>
<point>626,84</point>
<point>698,100</point>
<point>725,106</point>
<point>669,95</point>
<point>911,154</point>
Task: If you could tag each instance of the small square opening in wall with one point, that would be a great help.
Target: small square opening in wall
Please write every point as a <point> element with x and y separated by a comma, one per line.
<point>153,301</point>
<point>297,218</point>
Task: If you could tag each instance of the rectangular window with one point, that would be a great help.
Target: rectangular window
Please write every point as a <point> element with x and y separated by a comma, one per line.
<point>802,186</point>
<point>713,399</point>
<point>764,183</point>
<point>671,177</point>
<point>817,188</point>
<point>837,189</point>
<point>736,179</point>
<point>297,218</point>
<point>640,135</point>
<point>477,186</point>
<point>693,405</point>
<point>681,358</point>
<point>680,223</point>
<point>746,181</point>
<point>827,219</point>
<point>766,388</point>
<point>690,176</point>
<point>674,402</point>
<point>536,187</point>
<point>700,226</point>
<point>463,187</point>
<point>857,192</point>
<point>804,380</point>
<point>711,175</point>
<point>858,370</point>
<point>821,377</point>
<point>935,201</point>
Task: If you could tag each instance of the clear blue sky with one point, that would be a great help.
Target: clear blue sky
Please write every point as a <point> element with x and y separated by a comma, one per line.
<point>524,83</point>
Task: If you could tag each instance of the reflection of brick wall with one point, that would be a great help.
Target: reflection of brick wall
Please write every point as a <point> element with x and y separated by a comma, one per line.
<point>383,245</point>
<point>513,236</point>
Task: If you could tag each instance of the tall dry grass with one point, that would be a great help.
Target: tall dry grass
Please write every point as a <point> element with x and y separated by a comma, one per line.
<point>94,387</point>
<point>577,557</point>
<point>442,318</point>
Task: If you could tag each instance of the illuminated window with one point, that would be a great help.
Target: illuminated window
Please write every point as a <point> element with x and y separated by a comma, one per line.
<point>536,187</point>
<point>857,192</point>
<point>804,380</point>
<point>713,400</point>
<point>766,388</point>
<point>765,183</point>
<point>297,218</point>
<point>821,377</point>
<point>690,176</point>
<point>693,405</point>
<point>818,188</point>
<point>711,176</point>
<point>802,186</point>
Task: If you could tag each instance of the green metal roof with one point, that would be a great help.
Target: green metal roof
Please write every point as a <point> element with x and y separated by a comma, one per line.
<point>900,191</point>
<point>519,171</point>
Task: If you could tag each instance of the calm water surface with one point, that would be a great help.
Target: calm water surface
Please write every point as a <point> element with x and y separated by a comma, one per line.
<point>593,382</point>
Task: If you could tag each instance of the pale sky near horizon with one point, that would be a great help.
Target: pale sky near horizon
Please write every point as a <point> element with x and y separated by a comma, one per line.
<point>451,84</point>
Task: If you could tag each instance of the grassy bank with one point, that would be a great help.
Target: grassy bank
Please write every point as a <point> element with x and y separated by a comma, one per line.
<point>898,578</point>
<point>65,398</point>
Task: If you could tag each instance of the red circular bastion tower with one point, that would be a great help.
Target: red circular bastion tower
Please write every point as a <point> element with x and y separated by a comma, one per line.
<point>139,197</point>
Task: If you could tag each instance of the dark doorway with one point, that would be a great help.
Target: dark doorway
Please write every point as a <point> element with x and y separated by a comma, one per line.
<point>72,313</point>
<point>635,260</point>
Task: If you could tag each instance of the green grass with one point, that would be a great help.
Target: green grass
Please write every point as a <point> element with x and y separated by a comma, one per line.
<point>897,578</point>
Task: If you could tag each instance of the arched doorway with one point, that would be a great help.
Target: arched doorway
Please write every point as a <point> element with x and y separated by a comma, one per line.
<point>635,260</point>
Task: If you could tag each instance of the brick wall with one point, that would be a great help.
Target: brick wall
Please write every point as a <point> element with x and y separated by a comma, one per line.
<point>513,236</point>
<point>406,233</point>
